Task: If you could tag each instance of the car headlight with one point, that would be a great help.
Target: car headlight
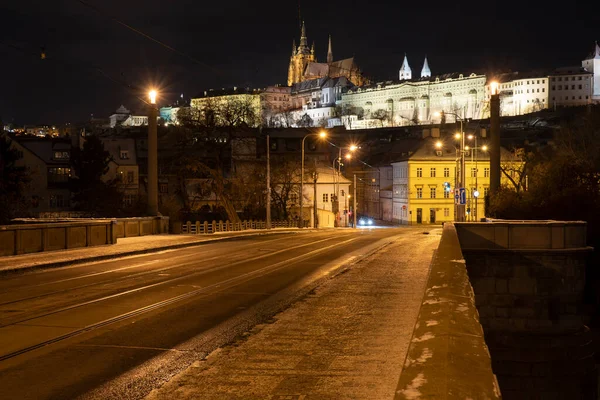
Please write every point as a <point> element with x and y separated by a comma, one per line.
<point>370,222</point>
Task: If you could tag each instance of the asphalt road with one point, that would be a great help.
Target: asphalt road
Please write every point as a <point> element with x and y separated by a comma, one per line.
<point>119,328</point>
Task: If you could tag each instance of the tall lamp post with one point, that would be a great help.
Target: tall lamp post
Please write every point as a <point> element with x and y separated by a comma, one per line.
<point>475,192</point>
<point>460,208</point>
<point>321,134</point>
<point>152,155</point>
<point>352,148</point>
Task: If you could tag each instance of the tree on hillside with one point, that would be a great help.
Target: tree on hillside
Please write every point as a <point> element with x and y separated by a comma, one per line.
<point>13,181</point>
<point>90,192</point>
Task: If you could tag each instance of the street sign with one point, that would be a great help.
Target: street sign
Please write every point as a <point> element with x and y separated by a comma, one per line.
<point>462,196</point>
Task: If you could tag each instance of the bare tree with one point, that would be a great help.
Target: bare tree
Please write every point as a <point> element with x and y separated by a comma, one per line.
<point>514,166</point>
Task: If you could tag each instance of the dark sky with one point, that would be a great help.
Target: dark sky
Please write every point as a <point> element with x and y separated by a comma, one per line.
<point>248,43</point>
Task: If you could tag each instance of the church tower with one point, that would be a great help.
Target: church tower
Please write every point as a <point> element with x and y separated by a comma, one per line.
<point>405,71</point>
<point>425,72</point>
<point>329,52</point>
<point>592,64</point>
<point>301,56</point>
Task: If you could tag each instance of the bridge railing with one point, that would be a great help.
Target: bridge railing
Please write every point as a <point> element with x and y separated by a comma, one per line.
<point>206,227</point>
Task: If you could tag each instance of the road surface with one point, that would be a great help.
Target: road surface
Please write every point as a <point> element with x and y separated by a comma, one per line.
<point>78,331</point>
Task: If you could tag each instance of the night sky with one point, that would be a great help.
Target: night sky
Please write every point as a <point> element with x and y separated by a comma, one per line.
<point>94,64</point>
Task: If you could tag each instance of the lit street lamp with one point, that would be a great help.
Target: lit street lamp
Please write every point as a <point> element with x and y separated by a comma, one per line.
<point>321,134</point>
<point>352,148</point>
<point>460,208</point>
<point>152,155</point>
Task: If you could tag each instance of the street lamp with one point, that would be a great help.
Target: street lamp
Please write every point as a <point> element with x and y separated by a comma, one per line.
<point>321,134</point>
<point>460,208</point>
<point>152,155</point>
<point>348,156</point>
<point>475,193</point>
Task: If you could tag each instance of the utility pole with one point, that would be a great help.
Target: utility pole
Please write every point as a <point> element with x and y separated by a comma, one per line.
<point>152,156</point>
<point>268,224</point>
<point>315,177</point>
<point>354,208</point>
<point>494,138</point>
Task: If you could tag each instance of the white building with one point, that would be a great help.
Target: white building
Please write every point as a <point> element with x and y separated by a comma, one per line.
<point>136,120</point>
<point>571,86</point>
<point>522,93</point>
<point>412,102</point>
<point>592,64</point>
<point>120,115</point>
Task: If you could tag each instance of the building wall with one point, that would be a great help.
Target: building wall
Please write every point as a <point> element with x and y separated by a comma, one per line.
<point>418,101</point>
<point>523,96</point>
<point>593,65</point>
<point>573,89</point>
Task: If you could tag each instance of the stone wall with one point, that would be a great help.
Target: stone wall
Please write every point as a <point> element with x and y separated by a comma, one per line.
<point>141,226</point>
<point>448,357</point>
<point>32,238</point>
<point>528,278</point>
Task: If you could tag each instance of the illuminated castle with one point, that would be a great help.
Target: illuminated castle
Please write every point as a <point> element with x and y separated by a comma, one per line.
<point>304,65</point>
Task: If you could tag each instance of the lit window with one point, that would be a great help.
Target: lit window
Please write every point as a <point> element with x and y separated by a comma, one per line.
<point>124,155</point>
<point>432,192</point>
<point>419,172</point>
<point>446,194</point>
<point>419,193</point>
<point>446,172</point>
<point>325,197</point>
<point>432,173</point>
<point>486,172</point>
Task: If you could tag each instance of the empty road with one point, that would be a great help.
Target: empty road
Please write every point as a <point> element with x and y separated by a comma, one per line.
<point>121,327</point>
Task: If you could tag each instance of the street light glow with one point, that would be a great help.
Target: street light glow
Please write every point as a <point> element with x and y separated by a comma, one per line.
<point>438,144</point>
<point>323,134</point>
<point>152,95</point>
<point>348,156</point>
<point>437,114</point>
<point>467,148</point>
<point>470,137</point>
<point>484,148</point>
<point>494,87</point>
<point>457,135</point>
<point>353,147</point>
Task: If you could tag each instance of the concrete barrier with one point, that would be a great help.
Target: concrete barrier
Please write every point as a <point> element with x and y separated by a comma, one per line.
<point>528,278</point>
<point>141,226</point>
<point>32,238</point>
<point>447,357</point>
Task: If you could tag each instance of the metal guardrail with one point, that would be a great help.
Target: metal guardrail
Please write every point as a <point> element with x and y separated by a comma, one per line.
<point>227,226</point>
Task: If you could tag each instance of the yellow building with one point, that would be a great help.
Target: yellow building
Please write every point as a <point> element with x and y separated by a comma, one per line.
<point>228,107</point>
<point>420,180</point>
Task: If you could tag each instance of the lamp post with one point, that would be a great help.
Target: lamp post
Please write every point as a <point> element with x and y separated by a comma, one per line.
<point>475,192</point>
<point>460,208</point>
<point>321,134</point>
<point>268,216</point>
<point>352,148</point>
<point>152,155</point>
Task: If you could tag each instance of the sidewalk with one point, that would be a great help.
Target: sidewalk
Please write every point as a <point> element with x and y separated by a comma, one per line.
<point>124,247</point>
<point>347,340</point>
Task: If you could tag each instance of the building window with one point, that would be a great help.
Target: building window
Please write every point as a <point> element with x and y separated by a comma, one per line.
<point>128,199</point>
<point>432,173</point>
<point>486,172</point>
<point>61,155</point>
<point>446,172</point>
<point>57,201</point>
<point>446,212</point>
<point>343,193</point>
<point>130,176</point>
<point>325,197</point>
<point>163,188</point>
<point>419,172</point>
<point>124,154</point>
<point>332,197</point>
<point>580,87</point>
<point>57,175</point>
<point>432,192</point>
<point>446,194</point>
<point>486,190</point>
<point>419,193</point>
<point>473,172</point>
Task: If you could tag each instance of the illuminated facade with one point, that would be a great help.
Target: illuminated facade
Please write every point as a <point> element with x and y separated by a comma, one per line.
<point>592,64</point>
<point>304,66</point>
<point>418,191</point>
<point>412,102</point>
<point>229,107</point>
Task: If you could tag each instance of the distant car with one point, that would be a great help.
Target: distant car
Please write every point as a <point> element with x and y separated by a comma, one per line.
<point>365,221</point>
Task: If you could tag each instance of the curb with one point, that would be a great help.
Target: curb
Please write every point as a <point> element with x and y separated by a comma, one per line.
<point>65,263</point>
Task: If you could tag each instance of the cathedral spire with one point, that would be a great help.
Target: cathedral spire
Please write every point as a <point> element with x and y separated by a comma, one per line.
<point>293,47</point>
<point>425,72</point>
<point>312,48</point>
<point>405,71</point>
<point>303,36</point>
<point>329,52</point>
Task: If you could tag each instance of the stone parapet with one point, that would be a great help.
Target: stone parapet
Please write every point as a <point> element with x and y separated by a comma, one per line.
<point>529,278</point>
<point>448,357</point>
